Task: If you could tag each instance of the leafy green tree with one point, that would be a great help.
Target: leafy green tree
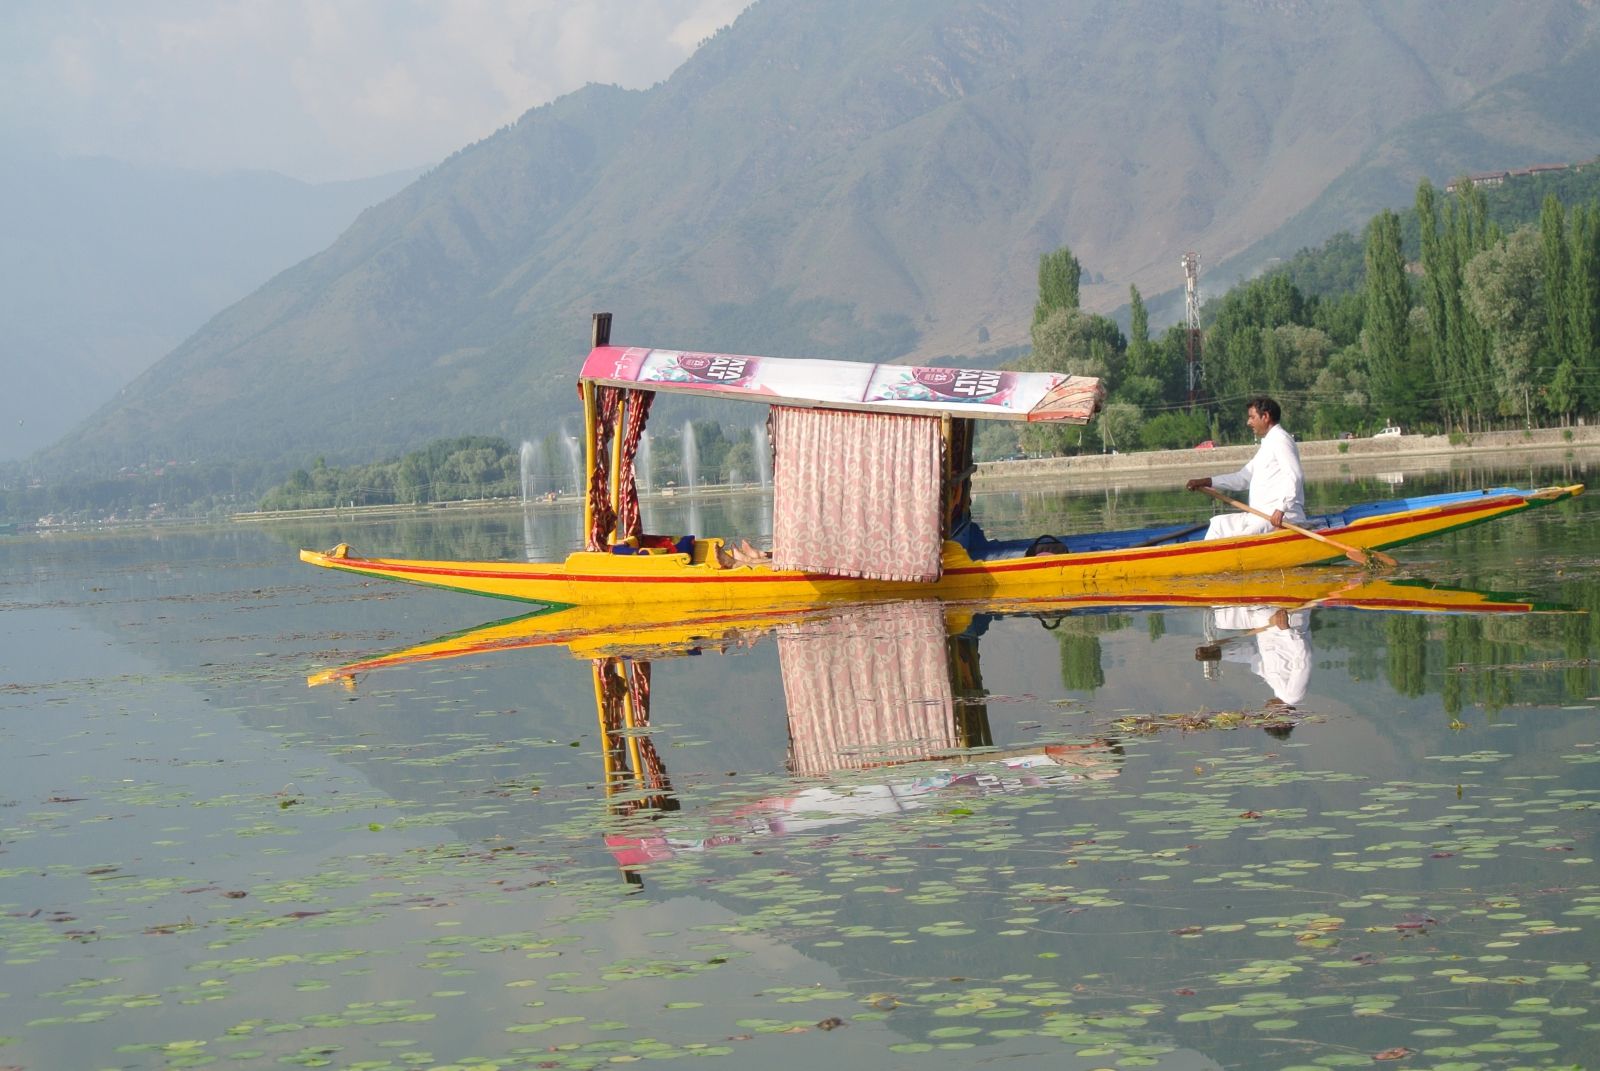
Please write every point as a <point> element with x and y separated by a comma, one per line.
<point>1338,398</point>
<point>1503,285</point>
<point>1140,361</point>
<point>1118,426</point>
<point>1440,275</point>
<point>1174,430</point>
<point>472,467</point>
<point>1166,363</point>
<point>1059,275</point>
<point>1140,382</point>
<point>1302,353</point>
<point>1469,339</point>
<point>1076,343</point>
<point>1555,257</point>
<point>1340,317</point>
<point>1396,386</point>
<point>1564,390</point>
<point>1235,354</point>
<point>739,464</point>
<point>1583,303</point>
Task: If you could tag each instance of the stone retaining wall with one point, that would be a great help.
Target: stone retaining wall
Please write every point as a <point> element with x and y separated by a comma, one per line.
<point>1175,465</point>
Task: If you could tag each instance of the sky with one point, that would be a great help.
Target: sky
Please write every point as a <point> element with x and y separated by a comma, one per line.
<point>320,90</point>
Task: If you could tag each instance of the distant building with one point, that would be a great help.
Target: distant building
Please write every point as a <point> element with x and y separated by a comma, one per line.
<point>1496,178</point>
<point>1481,178</point>
<point>1541,169</point>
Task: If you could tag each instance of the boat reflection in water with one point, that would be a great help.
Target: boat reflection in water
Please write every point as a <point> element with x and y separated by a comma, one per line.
<point>894,690</point>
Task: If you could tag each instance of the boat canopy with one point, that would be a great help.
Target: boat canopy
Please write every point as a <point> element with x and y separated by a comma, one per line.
<point>908,485</point>
<point>978,393</point>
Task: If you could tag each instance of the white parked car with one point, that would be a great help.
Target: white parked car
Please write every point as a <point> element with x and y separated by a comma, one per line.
<point>1390,431</point>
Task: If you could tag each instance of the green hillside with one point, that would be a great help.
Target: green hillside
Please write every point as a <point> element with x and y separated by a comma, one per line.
<point>1334,268</point>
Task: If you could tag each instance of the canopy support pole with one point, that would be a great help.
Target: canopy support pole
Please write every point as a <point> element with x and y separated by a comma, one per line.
<point>958,470</point>
<point>599,335</point>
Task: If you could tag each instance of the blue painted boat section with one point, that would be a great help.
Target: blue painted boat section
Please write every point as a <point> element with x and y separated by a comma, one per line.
<point>982,548</point>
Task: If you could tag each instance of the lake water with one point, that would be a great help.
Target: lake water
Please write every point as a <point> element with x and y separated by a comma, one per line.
<point>1126,852</point>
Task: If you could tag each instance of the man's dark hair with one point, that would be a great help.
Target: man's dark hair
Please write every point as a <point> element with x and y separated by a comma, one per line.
<point>1262,404</point>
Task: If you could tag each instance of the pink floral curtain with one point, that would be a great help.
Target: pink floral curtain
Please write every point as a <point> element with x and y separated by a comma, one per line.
<point>867,686</point>
<point>857,494</point>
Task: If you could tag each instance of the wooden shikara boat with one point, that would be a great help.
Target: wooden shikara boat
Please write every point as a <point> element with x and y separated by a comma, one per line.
<point>621,567</point>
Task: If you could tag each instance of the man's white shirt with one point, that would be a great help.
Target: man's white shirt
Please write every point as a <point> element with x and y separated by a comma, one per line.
<point>1273,477</point>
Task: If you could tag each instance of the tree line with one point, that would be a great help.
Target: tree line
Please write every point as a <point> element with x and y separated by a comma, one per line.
<point>479,467</point>
<point>444,470</point>
<point>1444,320</point>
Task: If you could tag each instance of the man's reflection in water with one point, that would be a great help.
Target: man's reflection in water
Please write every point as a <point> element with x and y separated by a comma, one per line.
<point>1274,643</point>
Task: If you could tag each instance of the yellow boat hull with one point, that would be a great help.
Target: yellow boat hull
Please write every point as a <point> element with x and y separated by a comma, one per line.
<point>696,581</point>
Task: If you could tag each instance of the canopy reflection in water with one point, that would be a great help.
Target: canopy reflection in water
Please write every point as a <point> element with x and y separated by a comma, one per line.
<point>868,686</point>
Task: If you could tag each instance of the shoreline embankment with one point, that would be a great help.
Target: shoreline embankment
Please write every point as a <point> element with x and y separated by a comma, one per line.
<point>1319,457</point>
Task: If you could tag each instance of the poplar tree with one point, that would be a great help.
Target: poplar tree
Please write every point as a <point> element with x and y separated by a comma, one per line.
<point>1385,334</point>
<point>1472,346</point>
<point>1138,334</point>
<point>1583,304</point>
<point>1438,277</point>
<point>1059,274</point>
<point>1555,258</point>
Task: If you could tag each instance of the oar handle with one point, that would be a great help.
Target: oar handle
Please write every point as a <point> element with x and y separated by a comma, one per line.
<point>1353,553</point>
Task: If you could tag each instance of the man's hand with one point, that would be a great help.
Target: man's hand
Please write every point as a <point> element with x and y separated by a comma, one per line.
<point>1277,518</point>
<point>1198,482</point>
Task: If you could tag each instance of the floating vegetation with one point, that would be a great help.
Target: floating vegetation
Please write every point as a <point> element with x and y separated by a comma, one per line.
<point>458,865</point>
<point>1280,722</point>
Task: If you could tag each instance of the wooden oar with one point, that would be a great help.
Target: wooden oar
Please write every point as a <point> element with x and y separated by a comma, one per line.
<point>1191,530</point>
<point>1355,554</point>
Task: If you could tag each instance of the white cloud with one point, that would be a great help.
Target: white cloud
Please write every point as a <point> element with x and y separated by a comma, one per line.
<point>318,89</point>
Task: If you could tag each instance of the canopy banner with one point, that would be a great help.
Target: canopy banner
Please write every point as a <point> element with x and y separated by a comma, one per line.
<point>983,393</point>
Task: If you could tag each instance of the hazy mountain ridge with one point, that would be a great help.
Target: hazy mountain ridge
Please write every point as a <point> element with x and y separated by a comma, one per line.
<point>828,179</point>
<point>1537,118</point>
<point>109,266</point>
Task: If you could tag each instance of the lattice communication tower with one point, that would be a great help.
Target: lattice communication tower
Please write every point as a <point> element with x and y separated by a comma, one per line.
<point>1191,292</point>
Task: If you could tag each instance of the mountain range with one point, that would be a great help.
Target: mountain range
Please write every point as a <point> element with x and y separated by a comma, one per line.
<point>108,266</point>
<point>872,181</point>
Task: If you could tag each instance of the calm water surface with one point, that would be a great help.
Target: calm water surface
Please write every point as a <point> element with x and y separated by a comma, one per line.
<point>1122,854</point>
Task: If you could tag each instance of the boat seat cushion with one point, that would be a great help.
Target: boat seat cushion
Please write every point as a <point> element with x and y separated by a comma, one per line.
<point>657,544</point>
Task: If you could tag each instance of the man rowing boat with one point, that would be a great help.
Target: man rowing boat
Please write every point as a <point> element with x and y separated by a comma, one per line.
<point>1273,477</point>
